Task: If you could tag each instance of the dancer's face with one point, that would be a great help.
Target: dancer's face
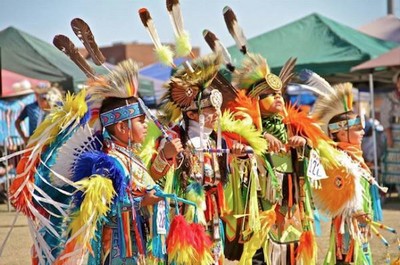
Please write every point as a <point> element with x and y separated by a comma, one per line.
<point>353,135</point>
<point>133,131</point>
<point>271,103</point>
<point>210,116</point>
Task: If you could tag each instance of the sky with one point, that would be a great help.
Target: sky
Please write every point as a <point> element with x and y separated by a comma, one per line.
<point>116,21</point>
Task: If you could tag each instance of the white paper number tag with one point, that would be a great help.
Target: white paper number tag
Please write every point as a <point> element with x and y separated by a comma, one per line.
<point>315,170</point>
<point>161,218</point>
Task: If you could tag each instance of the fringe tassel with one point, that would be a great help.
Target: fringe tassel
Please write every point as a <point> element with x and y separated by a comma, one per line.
<point>195,193</point>
<point>376,203</point>
<point>307,246</point>
<point>267,218</point>
<point>254,217</point>
<point>219,136</point>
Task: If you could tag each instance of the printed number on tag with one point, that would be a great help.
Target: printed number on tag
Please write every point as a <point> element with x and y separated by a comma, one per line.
<point>315,170</point>
<point>161,218</point>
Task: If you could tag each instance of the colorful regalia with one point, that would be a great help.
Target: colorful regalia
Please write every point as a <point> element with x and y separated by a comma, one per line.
<point>284,186</point>
<point>201,173</point>
<point>80,190</point>
<point>345,193</point>
<point>280,192</point>
<point>203,169</point>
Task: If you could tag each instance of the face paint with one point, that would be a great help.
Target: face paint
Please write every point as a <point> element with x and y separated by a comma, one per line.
<point>266,103</point>
<point>272,104</point>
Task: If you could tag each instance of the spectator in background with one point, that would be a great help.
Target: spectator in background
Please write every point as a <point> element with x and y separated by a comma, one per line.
<point>4,169</point>
<point>390,110</point>
<point>367,145</point>
<point>46,96</point>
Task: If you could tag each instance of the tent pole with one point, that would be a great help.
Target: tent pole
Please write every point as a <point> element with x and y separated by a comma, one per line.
<point>371,88</point>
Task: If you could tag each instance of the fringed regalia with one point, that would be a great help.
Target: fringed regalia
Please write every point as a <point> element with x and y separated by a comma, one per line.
<point>283,187</point>
<point>81,191</point>
<point>345,193</point>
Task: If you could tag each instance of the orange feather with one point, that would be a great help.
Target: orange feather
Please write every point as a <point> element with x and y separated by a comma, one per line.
<point>304,126</point>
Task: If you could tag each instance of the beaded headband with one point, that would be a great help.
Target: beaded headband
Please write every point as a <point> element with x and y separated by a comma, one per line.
<point>120,114</point>
<point>345,124</point>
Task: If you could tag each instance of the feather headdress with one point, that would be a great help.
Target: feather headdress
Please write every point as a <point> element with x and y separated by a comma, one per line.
<point>47,188</point>
<point>334,104</point>
<point>255,76</point>
<point>187,85</point>
<point>331,102</point>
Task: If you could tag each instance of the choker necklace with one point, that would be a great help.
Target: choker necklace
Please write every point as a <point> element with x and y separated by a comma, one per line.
<point>129,154</point>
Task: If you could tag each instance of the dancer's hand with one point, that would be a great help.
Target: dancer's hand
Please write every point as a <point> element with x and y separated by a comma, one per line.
<point>297,141</point>
<point>238,149</point>
<point>274,145</point>
<point>172,148</point>
<point>150,198</point>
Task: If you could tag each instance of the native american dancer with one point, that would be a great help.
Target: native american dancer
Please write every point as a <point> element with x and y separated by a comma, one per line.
<point>202,168</point>
<point>208,158</point>
<point>345,193</point>
<point>282,189</point>
<point>81,183</point>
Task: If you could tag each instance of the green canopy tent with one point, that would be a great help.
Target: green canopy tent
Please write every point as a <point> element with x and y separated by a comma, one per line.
<point>320,44</point>
<point>27,55</point>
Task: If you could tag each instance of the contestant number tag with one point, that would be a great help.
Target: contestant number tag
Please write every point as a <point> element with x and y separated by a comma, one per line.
<point>161,218</point>
<point>315,170</point>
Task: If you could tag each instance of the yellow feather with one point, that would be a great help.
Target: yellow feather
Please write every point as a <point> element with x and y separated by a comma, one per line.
<point>72,110</point>
<point>183,47</point>
<point>165,55</point>
<point>328,154</point>
<point>99,192</point>
<point>246,130</point>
